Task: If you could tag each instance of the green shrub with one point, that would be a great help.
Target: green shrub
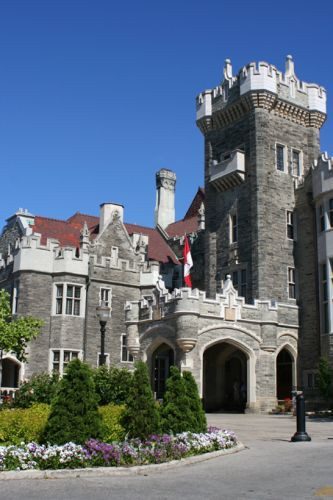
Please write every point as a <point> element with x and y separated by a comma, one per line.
<point>176,415</point>
<point>324,378</point>
<point>18,424</point>
<point>39,389</point>
<point>74,411</point>
<point>112,428</point>
<point>198,421</point>
<point>141,416</point>
<point>112,385</point>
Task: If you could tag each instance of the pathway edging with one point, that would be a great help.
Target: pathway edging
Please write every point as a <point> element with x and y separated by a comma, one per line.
<point>116,471</point>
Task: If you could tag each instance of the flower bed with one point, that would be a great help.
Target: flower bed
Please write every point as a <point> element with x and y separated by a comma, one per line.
<point>156,449</point>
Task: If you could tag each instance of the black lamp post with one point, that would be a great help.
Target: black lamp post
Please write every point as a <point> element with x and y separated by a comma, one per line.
<point>103,314</point>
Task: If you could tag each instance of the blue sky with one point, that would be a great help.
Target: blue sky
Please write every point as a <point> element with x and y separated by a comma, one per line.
<point>97,95</point>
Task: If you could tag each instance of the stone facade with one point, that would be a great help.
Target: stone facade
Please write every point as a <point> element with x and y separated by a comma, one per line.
<point>190,323</point>
<point>259,315</point>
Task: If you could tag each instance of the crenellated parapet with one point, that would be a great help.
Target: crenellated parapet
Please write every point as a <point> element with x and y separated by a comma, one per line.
<point>322,176</point>
<point>30,254</point>
<point>189,310</point>
<point>261,85</point>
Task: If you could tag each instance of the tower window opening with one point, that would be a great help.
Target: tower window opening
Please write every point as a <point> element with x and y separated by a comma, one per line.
<point>295,167</point>
<point>280,160</point>
<point>291,283</point>
<point>290,225</point>
<point>233,228</point>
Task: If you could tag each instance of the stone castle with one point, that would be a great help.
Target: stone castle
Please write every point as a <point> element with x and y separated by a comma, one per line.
<point>259,314</point>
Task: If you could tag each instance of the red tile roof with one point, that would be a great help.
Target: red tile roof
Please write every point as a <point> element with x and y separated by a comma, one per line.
<point>189,224</point>
<point>67,232</point>
<point>158,249</point>
<point>182,227</point>
<point>196,203</point>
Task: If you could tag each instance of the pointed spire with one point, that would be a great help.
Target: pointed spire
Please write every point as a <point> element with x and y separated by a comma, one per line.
<point>84,236</point>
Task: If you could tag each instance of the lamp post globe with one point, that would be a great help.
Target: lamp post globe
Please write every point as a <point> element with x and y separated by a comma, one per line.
<point>103,314</point>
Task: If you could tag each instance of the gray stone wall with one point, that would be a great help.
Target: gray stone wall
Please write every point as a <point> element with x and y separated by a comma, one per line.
<point>306,261</point>
<point>261,203</point>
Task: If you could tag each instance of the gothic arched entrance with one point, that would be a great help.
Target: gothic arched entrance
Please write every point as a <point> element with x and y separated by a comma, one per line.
<point>10,373</point>
<point>284,374</point>
<point>162,359</point>
<point>224,377</point>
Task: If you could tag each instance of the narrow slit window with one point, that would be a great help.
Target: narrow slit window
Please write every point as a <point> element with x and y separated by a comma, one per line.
<point>280,157</point>
<point>291,283</point>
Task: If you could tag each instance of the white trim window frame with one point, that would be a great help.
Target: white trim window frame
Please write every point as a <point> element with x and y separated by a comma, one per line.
<point>60,357</point>
<point>125,355</point>
<point>105,295</point>
<point>281,157</point>
<point>69,299</point>
<point>296,163</point>
<point>291,283</point>
<point>291,225</point>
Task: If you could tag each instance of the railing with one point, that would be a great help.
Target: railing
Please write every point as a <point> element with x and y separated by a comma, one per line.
<point>7,394</point>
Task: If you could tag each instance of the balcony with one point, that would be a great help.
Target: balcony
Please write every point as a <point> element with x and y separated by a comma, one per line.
<point>228,173</point>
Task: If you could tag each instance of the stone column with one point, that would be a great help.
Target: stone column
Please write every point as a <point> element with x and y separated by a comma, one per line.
<point>133,342</point>
<point>267,378</point>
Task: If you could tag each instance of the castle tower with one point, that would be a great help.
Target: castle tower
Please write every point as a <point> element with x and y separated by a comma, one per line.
<point>165,197</point>
<point>261,130</point>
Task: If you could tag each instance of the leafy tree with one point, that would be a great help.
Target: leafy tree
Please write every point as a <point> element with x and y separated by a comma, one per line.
<point>39,389</point>
<point>175,412</point>
<point>198,417</point>
<point>74,410</point>
<point>324,378</point>
<point>141,417</point>
<point>15,333</point>
<point>112,385</point>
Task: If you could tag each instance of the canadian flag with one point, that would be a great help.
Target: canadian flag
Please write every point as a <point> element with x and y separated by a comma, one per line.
<point>188,263</point>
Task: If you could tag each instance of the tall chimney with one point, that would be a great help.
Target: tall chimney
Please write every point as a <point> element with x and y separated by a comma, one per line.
<point>107,211</point>
<point>165,197</point>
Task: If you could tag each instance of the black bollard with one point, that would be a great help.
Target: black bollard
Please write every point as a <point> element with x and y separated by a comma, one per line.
<point>300,434</point>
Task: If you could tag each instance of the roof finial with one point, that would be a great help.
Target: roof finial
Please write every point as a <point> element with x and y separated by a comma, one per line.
<point>290,67</point>
<point>227,72</point>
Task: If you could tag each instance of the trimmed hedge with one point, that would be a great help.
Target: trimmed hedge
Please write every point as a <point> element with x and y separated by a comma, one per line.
<point>112,428</point>
<point>17,425</point>
<point>27,425</point>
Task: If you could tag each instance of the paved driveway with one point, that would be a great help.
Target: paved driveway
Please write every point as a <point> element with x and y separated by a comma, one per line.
<point>271,468</point>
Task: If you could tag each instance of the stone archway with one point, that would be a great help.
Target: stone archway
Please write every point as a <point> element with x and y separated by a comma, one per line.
<point>225,377</point>
<point>161,360</point>
<point>10,376</point>
<point>284,374</point>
